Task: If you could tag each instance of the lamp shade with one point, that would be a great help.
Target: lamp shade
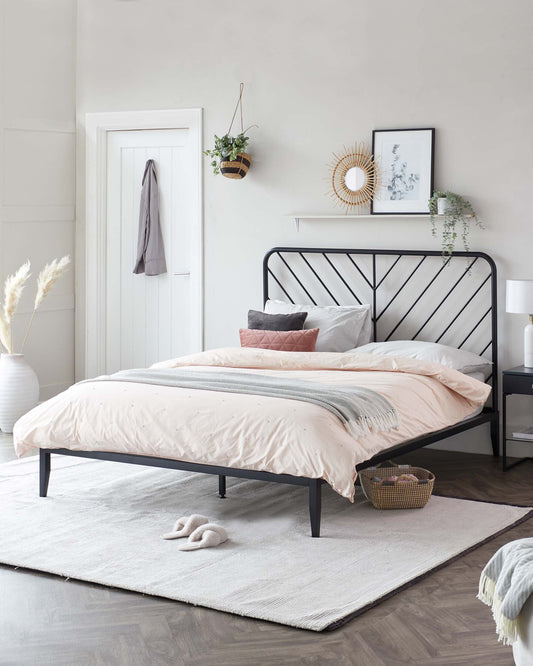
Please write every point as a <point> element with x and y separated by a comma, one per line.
<point>519,296</point>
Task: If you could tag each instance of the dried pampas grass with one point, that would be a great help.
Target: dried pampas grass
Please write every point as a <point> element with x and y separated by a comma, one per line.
<point>13,288</point>
<point>46,280</point>
<point>48,277</point>
<point>5,334</point>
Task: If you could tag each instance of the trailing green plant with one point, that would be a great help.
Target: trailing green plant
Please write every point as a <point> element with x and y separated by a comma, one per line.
<point>226,148</point>
<point>456,221</point>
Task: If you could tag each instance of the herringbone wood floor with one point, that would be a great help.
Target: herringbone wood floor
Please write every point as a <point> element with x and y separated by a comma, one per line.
<point>47,620</point>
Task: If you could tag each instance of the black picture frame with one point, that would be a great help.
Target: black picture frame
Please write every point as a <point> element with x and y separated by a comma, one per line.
<point>423,181</point>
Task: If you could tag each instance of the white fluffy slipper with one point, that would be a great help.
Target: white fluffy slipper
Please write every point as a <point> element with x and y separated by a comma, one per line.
<point>205,536</point>
<point>186,526</point>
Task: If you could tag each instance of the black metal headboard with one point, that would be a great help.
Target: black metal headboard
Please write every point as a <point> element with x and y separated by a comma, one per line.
<point>414,294</point>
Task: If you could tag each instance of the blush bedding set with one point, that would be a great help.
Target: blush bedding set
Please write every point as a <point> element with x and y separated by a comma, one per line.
<point>253,430</point>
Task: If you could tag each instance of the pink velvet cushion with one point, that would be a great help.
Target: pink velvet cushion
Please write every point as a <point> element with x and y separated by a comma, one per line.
<point>302,341</point>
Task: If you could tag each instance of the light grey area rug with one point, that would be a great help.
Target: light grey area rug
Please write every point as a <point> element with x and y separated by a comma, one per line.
<point>102,523</point>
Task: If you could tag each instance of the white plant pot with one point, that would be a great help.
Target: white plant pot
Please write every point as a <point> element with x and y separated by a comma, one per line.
<point>19,389</point>
<point>442,205</point>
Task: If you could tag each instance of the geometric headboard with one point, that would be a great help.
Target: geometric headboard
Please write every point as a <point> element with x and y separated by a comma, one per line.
<point>414,294</point>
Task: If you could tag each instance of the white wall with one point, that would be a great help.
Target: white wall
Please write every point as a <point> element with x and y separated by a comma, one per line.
<point>37,163</point>
<point>319,75</point>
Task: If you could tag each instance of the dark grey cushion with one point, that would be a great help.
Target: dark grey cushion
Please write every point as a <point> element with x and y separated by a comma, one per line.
<point>276,322</point>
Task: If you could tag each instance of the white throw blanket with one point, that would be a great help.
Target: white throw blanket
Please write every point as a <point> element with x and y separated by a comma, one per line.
<point>506,583</point>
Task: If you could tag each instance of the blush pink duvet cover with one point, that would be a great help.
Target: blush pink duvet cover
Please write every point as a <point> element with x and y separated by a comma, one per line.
<point>250,431</point>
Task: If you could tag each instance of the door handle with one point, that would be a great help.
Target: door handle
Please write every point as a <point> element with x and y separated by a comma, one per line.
<point>181,273</point>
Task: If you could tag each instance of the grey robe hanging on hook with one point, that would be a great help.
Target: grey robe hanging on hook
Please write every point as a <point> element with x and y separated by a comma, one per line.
<point>150,249</point>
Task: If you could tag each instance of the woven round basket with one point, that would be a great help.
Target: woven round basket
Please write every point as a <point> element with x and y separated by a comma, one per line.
<point>393,495</point>
<point>237,168</point>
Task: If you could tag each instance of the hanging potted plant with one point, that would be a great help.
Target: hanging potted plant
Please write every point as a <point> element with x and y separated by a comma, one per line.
<point>229,156</point>
<point>229,152</point>
<point>457,215</point>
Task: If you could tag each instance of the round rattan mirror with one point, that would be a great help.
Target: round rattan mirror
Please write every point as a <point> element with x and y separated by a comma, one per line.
<point>354,177</point>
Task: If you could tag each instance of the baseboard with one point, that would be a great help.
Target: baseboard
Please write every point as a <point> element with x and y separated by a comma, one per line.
<point>471,441</point>
<point>478,441</point>
<point>50,390</point>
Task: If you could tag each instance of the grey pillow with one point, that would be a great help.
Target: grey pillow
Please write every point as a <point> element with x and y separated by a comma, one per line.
<point>276,322</point>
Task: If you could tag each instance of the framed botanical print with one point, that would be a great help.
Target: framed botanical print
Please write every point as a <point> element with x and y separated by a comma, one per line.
<point>406,160</point>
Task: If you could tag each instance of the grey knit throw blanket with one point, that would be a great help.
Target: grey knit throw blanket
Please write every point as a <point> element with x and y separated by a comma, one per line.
<point>506,584</point>
<point>361,410</point>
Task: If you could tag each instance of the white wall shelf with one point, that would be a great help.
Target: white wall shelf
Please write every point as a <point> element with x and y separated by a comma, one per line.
<point>340,216</point>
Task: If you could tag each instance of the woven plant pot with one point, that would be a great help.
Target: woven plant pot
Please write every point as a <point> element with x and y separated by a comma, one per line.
<point>398,495</point>
<point>237,168</point>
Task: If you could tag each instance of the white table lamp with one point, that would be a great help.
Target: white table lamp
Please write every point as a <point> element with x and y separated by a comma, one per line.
<point>520,299</point>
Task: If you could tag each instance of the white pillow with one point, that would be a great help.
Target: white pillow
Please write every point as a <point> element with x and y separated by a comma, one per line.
<point>459,359</point>
<point>341,327</point>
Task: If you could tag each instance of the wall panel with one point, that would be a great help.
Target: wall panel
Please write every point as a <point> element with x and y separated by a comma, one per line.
<point>37,171</point>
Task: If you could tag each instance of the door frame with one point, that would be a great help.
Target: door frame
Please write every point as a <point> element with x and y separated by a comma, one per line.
<point>97,127</point>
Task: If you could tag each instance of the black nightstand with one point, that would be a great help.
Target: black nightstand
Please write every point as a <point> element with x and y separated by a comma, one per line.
<point>516,380</point>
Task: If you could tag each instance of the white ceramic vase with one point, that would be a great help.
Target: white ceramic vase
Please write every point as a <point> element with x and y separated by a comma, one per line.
<point>442,205</point>
<point>19,389</point>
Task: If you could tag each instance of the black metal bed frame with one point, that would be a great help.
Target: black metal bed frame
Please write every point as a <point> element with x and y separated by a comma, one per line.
<point>374,282</point>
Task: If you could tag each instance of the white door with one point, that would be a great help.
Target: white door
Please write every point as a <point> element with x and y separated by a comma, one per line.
<point>151,318</point>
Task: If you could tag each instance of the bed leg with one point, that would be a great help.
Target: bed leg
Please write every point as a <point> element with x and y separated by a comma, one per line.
<point>221,485</point>
<point>44,472</point>
<point>315,505</point>
<point>495,435</point>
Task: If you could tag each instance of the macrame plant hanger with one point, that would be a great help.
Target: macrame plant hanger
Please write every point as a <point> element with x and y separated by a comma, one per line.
<point>237,168</point>
<point>238,106</point>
